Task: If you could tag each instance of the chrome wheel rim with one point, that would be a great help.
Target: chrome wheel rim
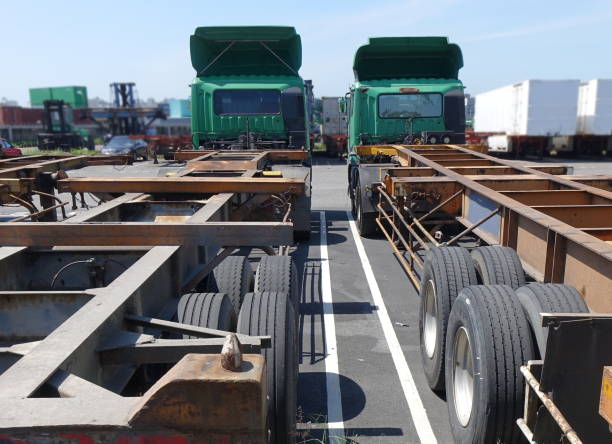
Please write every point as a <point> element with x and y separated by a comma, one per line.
<point>463,376</point>
<point>430,319</point>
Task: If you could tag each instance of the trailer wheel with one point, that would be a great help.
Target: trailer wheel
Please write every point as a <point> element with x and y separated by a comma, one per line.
<point>211,310</point>
<point>366,222</point>
<point>233,276</point>
<point>278,273</point>
<point>497,265</point>
<point>270,313</point>
<point>548,298</point>
<point>447,271</point>
<point>487,341</point>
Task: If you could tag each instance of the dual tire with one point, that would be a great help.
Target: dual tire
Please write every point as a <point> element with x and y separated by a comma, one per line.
<point>271,310</point>
<point>474,338</point>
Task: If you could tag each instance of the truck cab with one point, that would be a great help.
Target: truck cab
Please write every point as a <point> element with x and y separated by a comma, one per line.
<point>406,92</point>
<point>248,93</point>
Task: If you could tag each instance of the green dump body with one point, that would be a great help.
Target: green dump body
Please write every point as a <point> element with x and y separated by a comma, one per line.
<point>247,93</point>
<point>406,88</point>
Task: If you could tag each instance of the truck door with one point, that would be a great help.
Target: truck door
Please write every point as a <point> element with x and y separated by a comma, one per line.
<point>292,109</point>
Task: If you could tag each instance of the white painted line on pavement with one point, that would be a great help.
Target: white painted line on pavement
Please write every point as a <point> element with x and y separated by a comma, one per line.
<point>417,410</point>
<point>332,380</point>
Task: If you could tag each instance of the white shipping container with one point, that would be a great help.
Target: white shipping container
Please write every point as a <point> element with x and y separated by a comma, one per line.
<point>595,107</point>
<point>529,108</point>
<point>334,122</point>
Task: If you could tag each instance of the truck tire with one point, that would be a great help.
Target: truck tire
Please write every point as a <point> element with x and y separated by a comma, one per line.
<point>278,273</point>
<point>270,313</point>
<point>497,265</point>
<point>366,222</point>
<point>488,336</point>
<point>210,310</point>
<point>233,276</point>
<point>352,189</point>
<point>548,298</point>
<point>448,270</point>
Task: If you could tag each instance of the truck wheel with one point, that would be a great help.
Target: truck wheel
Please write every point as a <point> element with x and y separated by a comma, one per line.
<point>278,273</point>
<point>366,222</point>
<point>210,310</point>
<point>270,313</point>
<point>233,277</point>
<point>497,265</point>
<point>352,189</point>
<point>548,298</point>
<point>487,341</point>
<point>447,271</point>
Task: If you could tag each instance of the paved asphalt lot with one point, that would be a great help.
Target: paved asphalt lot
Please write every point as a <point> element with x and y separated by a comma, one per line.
<point>361,378</point>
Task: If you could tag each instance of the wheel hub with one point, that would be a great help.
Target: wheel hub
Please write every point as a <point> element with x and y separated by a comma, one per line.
<point>430,319</point>
<point>463,376</point>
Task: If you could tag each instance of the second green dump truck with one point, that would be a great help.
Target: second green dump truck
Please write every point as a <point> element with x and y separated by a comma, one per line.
<point>248,95</point>
<point>406,91</point>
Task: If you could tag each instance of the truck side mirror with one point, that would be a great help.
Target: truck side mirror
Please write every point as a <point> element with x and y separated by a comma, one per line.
<point>342,104</point>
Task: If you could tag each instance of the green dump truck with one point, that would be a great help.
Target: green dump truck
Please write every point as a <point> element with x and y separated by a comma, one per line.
<point>248,95</point>
<point>406,92</point>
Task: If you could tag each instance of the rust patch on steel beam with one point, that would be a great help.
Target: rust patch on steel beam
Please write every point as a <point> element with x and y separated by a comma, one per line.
<point>198,394</point>
<point>183,184</point>
<point>229,234</point>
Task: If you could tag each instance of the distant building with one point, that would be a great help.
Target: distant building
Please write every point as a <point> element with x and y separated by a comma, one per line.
<point>179,108</point>
<point>6,102</point>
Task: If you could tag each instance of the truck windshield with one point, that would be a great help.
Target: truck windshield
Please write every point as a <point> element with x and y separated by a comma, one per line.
<point>404,106</point>
<point>254,101</point>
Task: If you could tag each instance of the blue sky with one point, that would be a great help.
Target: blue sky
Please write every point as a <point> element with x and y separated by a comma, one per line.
<point>53,43</point>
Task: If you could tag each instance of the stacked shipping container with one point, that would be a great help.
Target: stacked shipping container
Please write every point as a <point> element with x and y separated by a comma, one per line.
<point>75,96</point>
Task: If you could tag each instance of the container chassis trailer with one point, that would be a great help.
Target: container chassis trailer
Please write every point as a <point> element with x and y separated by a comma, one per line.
<point>141,319</point>
<point>513,265</point>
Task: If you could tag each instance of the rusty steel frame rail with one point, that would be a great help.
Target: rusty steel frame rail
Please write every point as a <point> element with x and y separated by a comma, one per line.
<point>86,348</point>
<point>200,155</point>
<point>80,357</point>
<point>561,229</point>
<point>551,249</point>
<point>183,184</point>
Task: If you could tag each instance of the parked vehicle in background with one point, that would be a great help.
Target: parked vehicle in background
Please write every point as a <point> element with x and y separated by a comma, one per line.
<point>526,116</point>
<point>59,131</point>
<point>333,127</point>
<point>406,91</point>
<point>248,95</point>
<point>135,147</point>
<point>8,150</point>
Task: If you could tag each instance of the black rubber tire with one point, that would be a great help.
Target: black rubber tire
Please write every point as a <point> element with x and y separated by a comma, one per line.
<point>233,276</point>
<point>500,342</point>
<point>352,190</point>
<point>270,313</point>
<point>210,310</point>
<point>301,235</point>
<point>548,298</point>
<point>497,265</point>
<point>366,222</point>
<point>449,270</point>
<point>278,273</point>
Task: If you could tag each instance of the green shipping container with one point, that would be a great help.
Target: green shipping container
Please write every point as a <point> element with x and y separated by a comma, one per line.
<point>75,96</point>
<point>38,96</point>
